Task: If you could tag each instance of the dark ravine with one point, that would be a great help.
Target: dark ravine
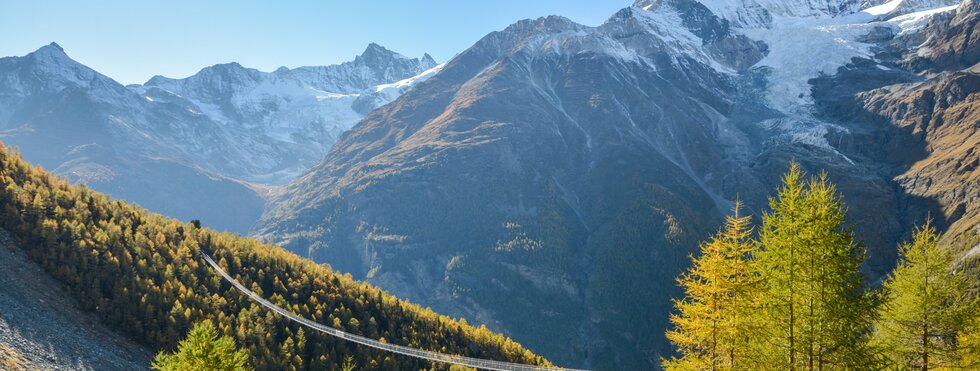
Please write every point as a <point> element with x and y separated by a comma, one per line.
<point>552,188</point>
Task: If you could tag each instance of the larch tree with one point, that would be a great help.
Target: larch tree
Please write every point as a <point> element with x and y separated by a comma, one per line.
<point>817,312</point>
<point>134,266</point>
<point>968,342</point>
<point>926,321</point>
<point>204,349</point>
<point>712,321</point>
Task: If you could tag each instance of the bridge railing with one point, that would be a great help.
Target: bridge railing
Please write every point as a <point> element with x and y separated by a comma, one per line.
<point>428,355</point>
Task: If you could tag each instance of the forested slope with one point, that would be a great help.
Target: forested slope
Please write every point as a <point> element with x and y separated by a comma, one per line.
<point>42,327</point>
<point>142,274</point>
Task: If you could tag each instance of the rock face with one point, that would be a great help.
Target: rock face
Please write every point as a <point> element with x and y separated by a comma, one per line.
<point>552,179</point>
<point>944,116</point>
<point>196,148</point>
<point>927,124</point>
<point>952,44</point>
<point>907,112</point>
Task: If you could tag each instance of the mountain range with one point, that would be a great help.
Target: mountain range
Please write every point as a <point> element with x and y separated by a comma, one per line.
<point>553,179</point>
<point>204,147</point>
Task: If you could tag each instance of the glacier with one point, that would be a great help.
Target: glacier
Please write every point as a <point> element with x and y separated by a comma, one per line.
<point>795,32</point>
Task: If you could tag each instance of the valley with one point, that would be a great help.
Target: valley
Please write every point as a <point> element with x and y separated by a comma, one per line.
<point>550,181</point>
<point>577,167</point>
<point>206,147</point>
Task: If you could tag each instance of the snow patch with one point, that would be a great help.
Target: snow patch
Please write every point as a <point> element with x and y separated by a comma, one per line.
<point>884,8</point>
<point>667,25</point>
<point>897,8</point>
<point>915,22</point>
<point>390,92</point>
<point>762,13</point>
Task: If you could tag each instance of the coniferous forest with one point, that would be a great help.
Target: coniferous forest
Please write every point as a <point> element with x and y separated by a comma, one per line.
<point>787,294</point>
<point>143,276</point>
<point>790,295</point>
<point>605,185</point>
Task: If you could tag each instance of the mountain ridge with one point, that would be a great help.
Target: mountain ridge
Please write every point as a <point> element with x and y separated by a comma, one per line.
<point>191,159</point>
<point>572,169</point>
<point>305,108</point>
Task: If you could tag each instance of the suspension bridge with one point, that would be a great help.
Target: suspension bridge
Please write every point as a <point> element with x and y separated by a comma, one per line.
<point>427,355</point>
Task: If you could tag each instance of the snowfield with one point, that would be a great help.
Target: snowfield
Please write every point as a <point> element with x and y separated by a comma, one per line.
<point>805,39</point>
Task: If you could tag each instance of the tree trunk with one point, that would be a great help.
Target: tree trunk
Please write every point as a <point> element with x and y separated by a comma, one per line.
<point>792,320</point>
<point>925,349</point>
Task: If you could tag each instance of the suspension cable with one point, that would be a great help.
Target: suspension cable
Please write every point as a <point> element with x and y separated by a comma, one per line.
<point>427,355</point>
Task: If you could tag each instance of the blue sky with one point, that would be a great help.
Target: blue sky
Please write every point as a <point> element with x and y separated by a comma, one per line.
<point>131,41</point>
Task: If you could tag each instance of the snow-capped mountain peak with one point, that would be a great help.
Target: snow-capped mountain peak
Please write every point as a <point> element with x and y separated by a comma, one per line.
<point>52,60</point>
<point>52,50</point>
<point>49,70</point>
<point>304,109</point>
<point>428,60</point>
<point>209,131</point>
<point>377,53</point>
<point>217,81</point>
<point>760,13</point>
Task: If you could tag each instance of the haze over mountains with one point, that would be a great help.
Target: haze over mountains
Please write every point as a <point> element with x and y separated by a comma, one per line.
<point>195,148</point>
<point>552,179</point>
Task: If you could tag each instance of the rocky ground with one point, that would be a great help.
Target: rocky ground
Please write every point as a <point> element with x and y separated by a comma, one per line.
<point>41,327</point>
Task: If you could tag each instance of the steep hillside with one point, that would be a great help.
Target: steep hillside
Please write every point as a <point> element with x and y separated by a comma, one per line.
<point>141,274</point>
<point>521,185</point>
<point>926,124</point>
<point>552,179</point>
<point>42,328</point>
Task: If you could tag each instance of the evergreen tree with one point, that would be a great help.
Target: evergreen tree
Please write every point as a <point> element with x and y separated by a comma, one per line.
<point>968,342</point>
<point>141,274</point>
<point>817,312</point>
<point>203,350</point>
<point>348,364</point>
<point>713,321</point>
<point>925,322</point>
